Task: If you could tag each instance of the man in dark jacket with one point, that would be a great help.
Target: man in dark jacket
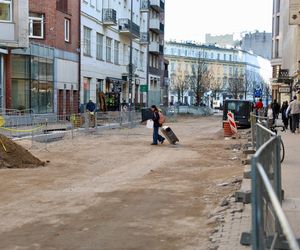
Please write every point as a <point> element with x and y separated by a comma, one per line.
<point>90,106</point>
<point>276,109</point>
<point>156,125</point>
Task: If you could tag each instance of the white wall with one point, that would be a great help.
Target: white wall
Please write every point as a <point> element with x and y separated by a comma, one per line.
<point>66,74</point>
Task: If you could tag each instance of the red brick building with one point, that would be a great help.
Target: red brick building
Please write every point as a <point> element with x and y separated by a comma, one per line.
<point>45,76</point>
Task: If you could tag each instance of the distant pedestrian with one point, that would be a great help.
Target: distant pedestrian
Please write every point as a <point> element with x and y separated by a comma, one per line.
<point>285,117</point>
<point>91,106</point>
<point>155,117</point>
<point>270,116</point>
<point>259,107</point>
<point>294,109</point>
<point>276,109</point>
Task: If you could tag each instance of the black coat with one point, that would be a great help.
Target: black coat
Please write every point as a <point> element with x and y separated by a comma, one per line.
<point>155,118</point>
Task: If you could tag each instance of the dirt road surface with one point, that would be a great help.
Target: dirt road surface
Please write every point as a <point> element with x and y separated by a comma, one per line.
<point>115,191</point>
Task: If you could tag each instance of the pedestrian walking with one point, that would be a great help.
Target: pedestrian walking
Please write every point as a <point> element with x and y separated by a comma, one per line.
<point>270,115</point>
<point>156,125</point>
<point>285,117</point>
<point>259,106</point>
<point>294,109</point>
<point>276,109</point>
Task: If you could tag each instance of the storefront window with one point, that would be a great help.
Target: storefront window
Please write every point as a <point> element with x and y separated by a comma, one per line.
<point>20,94</point>
<point>33,90</point>
<point>35,96</point>
<point>20,67</point>
<point>5,10</point>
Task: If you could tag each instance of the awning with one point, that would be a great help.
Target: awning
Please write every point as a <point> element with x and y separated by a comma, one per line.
<point>115,80</point>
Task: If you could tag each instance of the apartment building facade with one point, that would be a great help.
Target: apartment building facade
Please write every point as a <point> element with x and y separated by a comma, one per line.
<point>106,38</point>
<point>13,34</point>
<point>45,76</point>
<point>260,43</point>
<point>285,52</point>
<point>223,65</point>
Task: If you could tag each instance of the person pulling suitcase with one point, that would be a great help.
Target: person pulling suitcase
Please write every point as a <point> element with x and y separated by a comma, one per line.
<point>156,125</point>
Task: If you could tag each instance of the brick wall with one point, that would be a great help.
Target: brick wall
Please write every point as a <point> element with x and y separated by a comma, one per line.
<point>54,24</point>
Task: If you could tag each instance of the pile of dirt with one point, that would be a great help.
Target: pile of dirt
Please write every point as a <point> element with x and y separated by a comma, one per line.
<point>13,155</point>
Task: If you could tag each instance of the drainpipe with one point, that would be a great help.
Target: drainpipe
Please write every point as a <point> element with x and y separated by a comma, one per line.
<point>148,57</point>
<point>79,58</point>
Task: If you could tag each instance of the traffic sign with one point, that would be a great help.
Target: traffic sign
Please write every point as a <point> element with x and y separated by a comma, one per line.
<point>258,92</point>
<point>144,88</point>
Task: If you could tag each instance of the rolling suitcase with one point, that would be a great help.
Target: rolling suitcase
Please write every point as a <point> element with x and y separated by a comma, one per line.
<point>169,134</point>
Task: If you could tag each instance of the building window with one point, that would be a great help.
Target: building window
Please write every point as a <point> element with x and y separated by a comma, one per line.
<point>5,10</point>
<point>116,52</point>
<point>135,57</point>
<point>276,48</point>
<point>99,47</point>
<point>36,25</point>
<point>141,60</point>
<point>225,57</point>
<point>86,89</point>
<point>87,41</point>
<point>125,54</point>
<point>67,30</point>
<point>108,49</point>
<point>32,83</point>
<point>62,5</point>
<point>277,26</point>
<point>278,6</point>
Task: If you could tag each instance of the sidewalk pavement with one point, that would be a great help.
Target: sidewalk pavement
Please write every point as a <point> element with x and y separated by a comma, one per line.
<point>291,179</point>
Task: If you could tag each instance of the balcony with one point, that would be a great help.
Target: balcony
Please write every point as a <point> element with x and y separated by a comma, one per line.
<point>124,28</point>
<point>155,4</point>
<point>154,24</point>
<point>144,5</point>
<point>154,47</point>
<point>144,38</point>
<point>14,28</point>
<point>109,17</point>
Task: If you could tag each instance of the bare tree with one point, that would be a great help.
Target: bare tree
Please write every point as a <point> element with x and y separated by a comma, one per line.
<point>199,79</point>
<point>179,83</point>
<point>249,80</point>
<point>215,85</point>
<point>236,86</point>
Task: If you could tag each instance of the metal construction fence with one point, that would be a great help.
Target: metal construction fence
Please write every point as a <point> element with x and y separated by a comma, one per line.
<point>48,127</point>
<point>193,110</point>
<point>270,227</point>
<point>254,120</point>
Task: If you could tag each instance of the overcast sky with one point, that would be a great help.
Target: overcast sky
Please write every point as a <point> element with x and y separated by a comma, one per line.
<point>192,19</point>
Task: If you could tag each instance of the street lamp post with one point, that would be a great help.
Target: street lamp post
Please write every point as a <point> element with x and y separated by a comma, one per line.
<point>130,73</point>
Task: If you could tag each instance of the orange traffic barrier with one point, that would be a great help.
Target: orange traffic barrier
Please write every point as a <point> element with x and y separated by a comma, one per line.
<point>227,129</point>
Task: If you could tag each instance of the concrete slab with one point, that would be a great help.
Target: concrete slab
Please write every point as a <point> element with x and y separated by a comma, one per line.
<point>247,172</point>
<point>244,194</point>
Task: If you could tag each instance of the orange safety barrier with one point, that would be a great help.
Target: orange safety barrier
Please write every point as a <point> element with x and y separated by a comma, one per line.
<point>227,129</point>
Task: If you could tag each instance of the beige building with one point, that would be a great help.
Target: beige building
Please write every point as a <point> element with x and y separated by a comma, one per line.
<point>286,49</point>
<point>223,66</point>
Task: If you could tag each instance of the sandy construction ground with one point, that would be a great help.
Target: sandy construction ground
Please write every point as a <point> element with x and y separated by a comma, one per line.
<point>115,191</point>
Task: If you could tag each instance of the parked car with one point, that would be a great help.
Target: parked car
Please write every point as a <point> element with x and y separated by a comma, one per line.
<point>241,110</point>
